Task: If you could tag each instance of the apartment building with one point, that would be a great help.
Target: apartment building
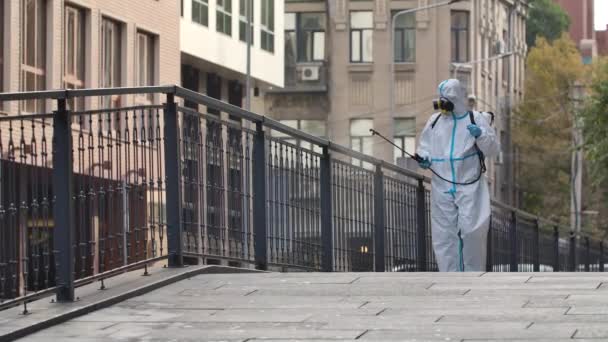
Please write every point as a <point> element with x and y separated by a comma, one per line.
<point>213,43</point>
<point>338,70</point>
<point>74,44</point>
<point>56,44</point>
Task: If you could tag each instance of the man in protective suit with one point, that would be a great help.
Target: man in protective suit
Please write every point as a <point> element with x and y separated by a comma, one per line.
<point>454,143</point>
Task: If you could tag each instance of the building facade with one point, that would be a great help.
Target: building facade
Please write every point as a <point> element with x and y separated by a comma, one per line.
<point>582,30</point>
<point>75,44</point>
<point>338,70</point>
<point>602,41</point>
<point>214,48</point>
<point>56,44</point>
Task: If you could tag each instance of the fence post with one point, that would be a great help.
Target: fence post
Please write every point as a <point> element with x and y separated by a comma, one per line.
<point>421,227</point>
<point>572,257</point>
<point>327,234</point>
<point>601,256</point>
<point>379,252</point>
<point>556,249</point>
<point>259,198</point>
<point>536,246</point>
<point>513,243</point>
<point>489,259</point>
<point>63,235</point>
<point>173,185</point>
<point>587,255</point>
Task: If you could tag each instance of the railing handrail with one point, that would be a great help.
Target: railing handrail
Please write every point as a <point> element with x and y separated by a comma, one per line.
<point>277,126</point>
<point>268,122</point>
<point>206,100</point>
<point>71,93</point>
<point>530,216</point>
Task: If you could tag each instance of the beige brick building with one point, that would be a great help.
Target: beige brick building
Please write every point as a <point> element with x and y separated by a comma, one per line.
<point>55,44</point>
<point>337,69</point>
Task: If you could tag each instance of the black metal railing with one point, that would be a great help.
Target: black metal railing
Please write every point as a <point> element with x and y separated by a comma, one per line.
<point>86,195</point>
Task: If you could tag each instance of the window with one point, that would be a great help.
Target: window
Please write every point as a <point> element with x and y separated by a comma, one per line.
<point>243,20</point>
<point>291,51</point>
<point>74,54</point>
<point>404,136</point>
<point>484,53</point>
<point>505,60</point>
<point>267,25</point>
<point>200,12</point>
<point>318,128</point>
<point>304,37</point>
<point>361,36</point>
<point>460,36</point>
<point>361,140</point>
<point>311,37</point>
<point>224,17</point>
<point>145,61</point>
<point>214,89</point>
<point>111,68</point>
<point>405,38</point>
<point>181,8</point>
<point>33,54</point>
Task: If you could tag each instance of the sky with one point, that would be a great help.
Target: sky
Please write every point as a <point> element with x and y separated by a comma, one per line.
<point>601,14</point>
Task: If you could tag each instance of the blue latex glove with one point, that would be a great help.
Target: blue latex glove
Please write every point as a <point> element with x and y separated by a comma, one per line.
<point>425,163</point>
<point>474,130</point>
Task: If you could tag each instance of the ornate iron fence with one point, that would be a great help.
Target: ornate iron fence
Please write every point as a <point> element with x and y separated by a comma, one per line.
<point>85,195</point>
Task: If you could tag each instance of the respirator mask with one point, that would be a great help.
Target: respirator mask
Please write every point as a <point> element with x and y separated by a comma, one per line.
<point>444,105</point>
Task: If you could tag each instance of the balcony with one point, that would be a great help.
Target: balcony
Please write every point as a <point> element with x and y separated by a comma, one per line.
<point>304,77</point>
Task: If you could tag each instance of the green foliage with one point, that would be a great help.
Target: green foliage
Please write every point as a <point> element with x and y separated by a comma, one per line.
<point>546,19</point>
<point>542,127</point>
<point>595,124</point>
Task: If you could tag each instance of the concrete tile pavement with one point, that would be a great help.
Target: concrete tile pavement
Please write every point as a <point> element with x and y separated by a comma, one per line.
<point>354,306</point>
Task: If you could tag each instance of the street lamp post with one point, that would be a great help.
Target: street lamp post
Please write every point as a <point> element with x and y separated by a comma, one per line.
<point>392,43</point>
<point>576,181</point>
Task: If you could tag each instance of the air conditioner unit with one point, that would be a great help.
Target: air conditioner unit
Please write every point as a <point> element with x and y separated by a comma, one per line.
<point>309,73</point>
<point>499,48</point>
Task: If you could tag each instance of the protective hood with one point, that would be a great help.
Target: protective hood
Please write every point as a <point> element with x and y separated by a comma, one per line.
<point>452,90</point>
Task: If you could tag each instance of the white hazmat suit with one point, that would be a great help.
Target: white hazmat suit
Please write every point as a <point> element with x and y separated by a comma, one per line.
<point>460,214</point>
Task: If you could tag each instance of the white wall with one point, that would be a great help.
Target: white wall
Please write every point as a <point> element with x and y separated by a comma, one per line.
<point>229,52</point>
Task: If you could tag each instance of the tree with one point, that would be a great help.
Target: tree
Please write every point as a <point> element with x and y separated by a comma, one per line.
<point>542,127</point>
<point>595,124</point>
<point>545,19</point>
<point>594,118</point>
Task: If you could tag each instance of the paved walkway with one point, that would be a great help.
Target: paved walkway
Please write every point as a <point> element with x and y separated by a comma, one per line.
<point>348,306</point>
